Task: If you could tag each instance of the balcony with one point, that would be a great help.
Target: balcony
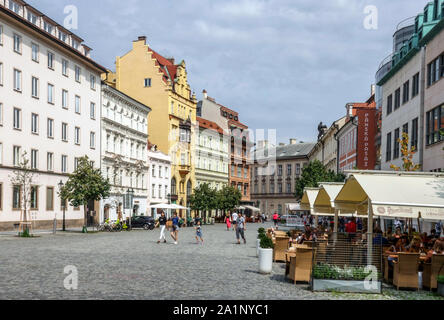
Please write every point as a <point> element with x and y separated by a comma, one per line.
<point>184,169</point>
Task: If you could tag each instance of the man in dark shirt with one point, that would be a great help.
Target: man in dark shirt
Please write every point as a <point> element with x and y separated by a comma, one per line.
<point>175,231</point>
<point>162,224</point>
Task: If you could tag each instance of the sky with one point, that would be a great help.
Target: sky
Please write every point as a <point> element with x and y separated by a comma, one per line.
<point>282,64</point>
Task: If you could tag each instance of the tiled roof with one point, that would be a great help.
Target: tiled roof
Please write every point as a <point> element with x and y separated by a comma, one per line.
<point>166,66</point>
<point>298,150</point>
<point>207,124</point>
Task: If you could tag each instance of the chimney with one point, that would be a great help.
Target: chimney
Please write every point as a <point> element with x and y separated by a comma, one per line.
<point>281,144</point>
<point>205,94</point>
<point>293,141</point>
<point>142,38</point>
<point>171,60</point>
<point>373,89</point>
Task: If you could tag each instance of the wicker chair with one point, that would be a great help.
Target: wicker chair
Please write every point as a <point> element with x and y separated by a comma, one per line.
<point>432,271</point>
<point>301,265</point>
<point>280,248</point>
<point>405,271</point>
<point>288,257</point>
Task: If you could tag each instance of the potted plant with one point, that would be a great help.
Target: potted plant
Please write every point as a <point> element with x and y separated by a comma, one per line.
<point>441,285</point>
<point>266,256</point>
<point>344,279</point>
<point>261,234</point>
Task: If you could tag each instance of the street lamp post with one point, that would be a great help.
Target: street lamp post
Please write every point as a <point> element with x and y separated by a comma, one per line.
<point>62,204</point>
<point>130,199</point>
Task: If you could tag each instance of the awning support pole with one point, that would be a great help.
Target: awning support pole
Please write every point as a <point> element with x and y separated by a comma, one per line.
<point>370,235</point>
<point>337,213</point>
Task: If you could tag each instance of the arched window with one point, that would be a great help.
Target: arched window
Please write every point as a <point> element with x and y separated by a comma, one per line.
<point>173,187</point>
<point>189,188</point>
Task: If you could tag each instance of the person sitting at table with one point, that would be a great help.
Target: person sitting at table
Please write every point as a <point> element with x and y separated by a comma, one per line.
<point>432,235</point>
<point>438,248</point>
<point>389,233</point>
<point>415,245</point>
<point>379,239</point>
<point>400,246</point>
<point>398,233</point>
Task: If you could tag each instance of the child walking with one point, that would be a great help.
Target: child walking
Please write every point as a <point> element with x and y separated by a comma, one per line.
<point>198,228</point>
<point>228,222</point>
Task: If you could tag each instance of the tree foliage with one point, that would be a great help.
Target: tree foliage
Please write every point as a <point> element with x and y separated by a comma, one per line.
<point>203,198</point>
<point>407,155</point>
<point>84,185</point>
<point>228,198</point>
<point>313,174</point>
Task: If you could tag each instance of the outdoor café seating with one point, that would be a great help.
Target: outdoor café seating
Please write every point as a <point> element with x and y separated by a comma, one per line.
<point>432,271</point>
<point>405,271</point>
<point>280,249</point>
<point>301,265</point>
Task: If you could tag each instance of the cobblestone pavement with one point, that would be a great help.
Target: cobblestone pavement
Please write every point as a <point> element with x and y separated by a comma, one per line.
<point>131,266</point>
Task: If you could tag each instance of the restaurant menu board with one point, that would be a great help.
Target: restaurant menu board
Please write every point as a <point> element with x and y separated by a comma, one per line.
<point>294,221</point>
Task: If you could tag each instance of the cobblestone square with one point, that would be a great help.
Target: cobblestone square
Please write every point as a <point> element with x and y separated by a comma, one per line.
<point>132,266</point>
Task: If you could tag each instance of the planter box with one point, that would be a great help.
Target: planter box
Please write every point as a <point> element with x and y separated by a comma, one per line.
<point>441,289</point>
<point>345,286</point>
<point>265,261</point>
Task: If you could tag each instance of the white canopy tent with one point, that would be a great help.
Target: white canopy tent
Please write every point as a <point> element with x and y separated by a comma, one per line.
<point>254,209</point>
<point>324,204</point>
<point>308,199</point>
<point>389,194</point>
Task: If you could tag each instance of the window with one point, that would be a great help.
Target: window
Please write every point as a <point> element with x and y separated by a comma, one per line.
<point>92,110</point>
<point>280,171</point>
<point>17,123</point>
<point>1,73</point>
<point>1,35</point>
<point>396,146</point>
<point>64,164</point>
<point>78,73</point>
<point>50,128</point>
<point>1,114</point>
<point>1,196</point>
<point>280,188</point>
<point>405,128</point>
<point>49,199</point>
<point>92,140</point>
<point>435,70</point>
<point>77,135</point>
<point>65,99</point>
<point>415,85</point>
<point>50,161</point>
<point>289,187</point>
<point>173,187</point>
<point>434,123</point>
<point>32,17</point>
<point>16,198</point>
<point>397,98</point>
<point>35,52</point>
<point>414,139</point>
<point>160,191</point>
<point>34,158</point>
<point>14,6</point>
<point>34,201</point>
<point>64,132</point>
<point>76,165</point>
<point>65,65</point>
<point>17,43</point>
<point>48,27</point>
<point>405,92</point>
<point>147,82</point>
<point>50,93</point>
<point>77,104</point>
<point>35,123</point>
<point>1,154</point>
<point>289,167</point>
<point>16,156</point>
<point>389,148</point>
<point>35,87</point>
<point>298,169</point>
<point>75,44</point>
<point>62,36</point>
<point>272,187</point>
<point>92,80</point>
<point>17,80</point>
<point>153,191</point>
<point>50,60</point>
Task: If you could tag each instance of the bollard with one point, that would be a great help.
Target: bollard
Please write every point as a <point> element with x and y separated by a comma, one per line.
<point>54,226</point>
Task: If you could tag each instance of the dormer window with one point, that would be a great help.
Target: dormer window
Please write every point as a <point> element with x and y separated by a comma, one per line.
<point>62,36</point>
<point>75,44</point>
<point>48,27</point>
<point>32,17</point>
<point>14,6</point>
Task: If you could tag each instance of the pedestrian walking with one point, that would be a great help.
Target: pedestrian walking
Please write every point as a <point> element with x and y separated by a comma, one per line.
<point>228,222</point>
<point>234,219</point>
<point>198,228</point>
<point>175,229</point>
<point>275,219</point>
<point>162,224</point>
<point>240,229</point>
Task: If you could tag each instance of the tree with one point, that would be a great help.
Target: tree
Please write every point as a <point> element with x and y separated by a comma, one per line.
<point>407,155</point>
<point>23,177</point>
<point>203,199</point>
<point>228,198</point>
<point>313,174</point>
<point>84,185</point>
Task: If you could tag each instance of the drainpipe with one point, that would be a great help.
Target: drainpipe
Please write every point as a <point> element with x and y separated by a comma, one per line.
<point>421,141</point>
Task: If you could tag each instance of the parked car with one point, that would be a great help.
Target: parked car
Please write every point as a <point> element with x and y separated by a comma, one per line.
<point>144,222</point>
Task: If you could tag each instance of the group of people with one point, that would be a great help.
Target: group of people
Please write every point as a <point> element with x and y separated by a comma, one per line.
<point>173,225</point>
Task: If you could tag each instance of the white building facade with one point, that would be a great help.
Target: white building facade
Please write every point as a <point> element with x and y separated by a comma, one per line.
<point>211,155</point>
<point>159,179</point>
<point>49,108</point>
<point>124,156</point>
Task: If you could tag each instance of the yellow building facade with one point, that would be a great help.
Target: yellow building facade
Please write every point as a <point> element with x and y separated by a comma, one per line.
<point>158,82</point>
